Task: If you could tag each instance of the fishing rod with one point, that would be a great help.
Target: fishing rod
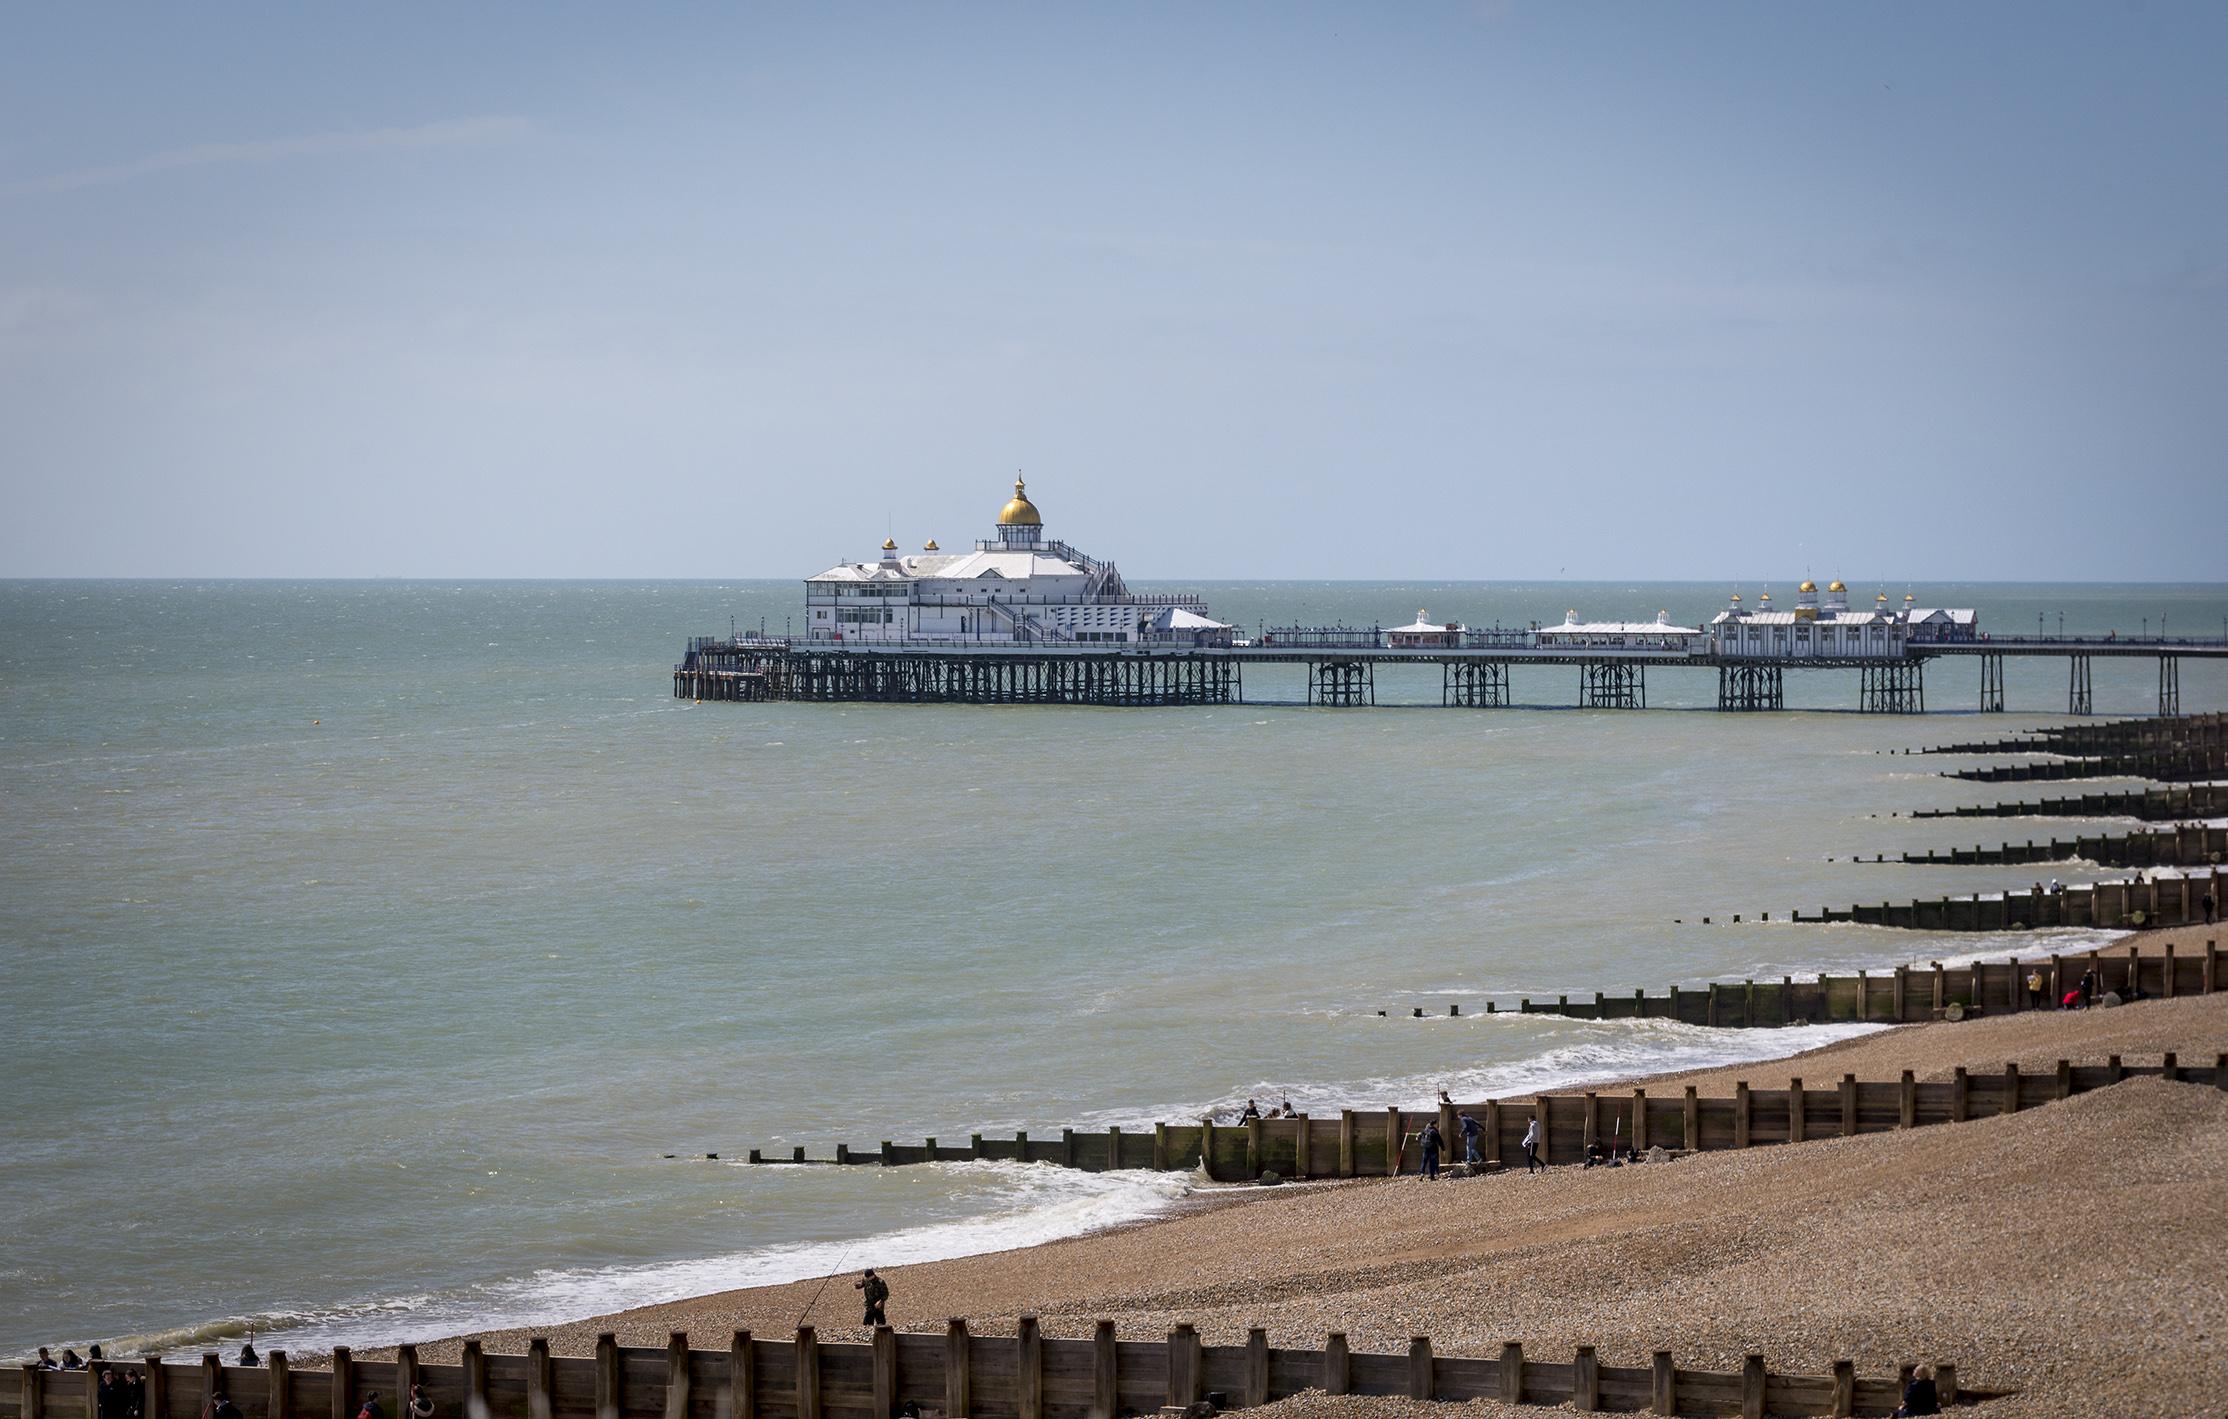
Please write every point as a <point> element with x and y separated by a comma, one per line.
<point>841,1257</point>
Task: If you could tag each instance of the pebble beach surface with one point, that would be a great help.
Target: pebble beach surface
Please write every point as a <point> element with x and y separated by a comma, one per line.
<point>2073,1252</point>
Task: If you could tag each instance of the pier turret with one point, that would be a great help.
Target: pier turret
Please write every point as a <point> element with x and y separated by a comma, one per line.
<point>1020,525</point>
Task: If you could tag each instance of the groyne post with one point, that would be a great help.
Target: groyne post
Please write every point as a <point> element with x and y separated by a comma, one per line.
<point>808,1373</point>
<point>1512,1372</point>
<point>158,1389</point>
<point>1337,1368</point>
<point>1419,1367</point>
<point>1844,1400</point>
<point>1794,1110</point>
<point>1160,1150</point>
<point>1663,1384</point>
<point>475,1380</point>
<point>742,1376</point>
<point>1493,1131</point>
<point>344,1374</point>
<point>1960,1094</point>
<point>885,1370</point>
<point>1207,1148</point>
<point>1345,1143</point>
<point>607,1377</point>
<point>1907,1112</point>
<point>1105,1375</point>
<point>1257,1368</point>
<point>406,1376</point>
<point>1752,1386</point>
<point>279,1398</point>
<point>1302,1159</point>
<point>1183,1364</point>
<point>1392,1142</point>
<point>1740,1113</point>
<point>956,1398</point>
<point>1848,1106</point>
<point>2011,1087</point>
<point>676,1375</point>
<point>538,1372</point>
<point>1639,1120</point>
<point>1028,1368</point>
<point>212,1379</point>
<point>1690,1121</point>
<point>1585,1380</point>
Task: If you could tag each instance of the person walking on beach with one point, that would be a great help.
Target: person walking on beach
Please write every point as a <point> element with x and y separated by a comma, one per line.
<point>2206,902</point>
<point>1471,1132</point>
<point>419,1406</point>
<point>1531,1146</point>
<point>1431,1142</point>
<point>2034,990</point>
<point>369,1410</point>
<point>876,1293</point>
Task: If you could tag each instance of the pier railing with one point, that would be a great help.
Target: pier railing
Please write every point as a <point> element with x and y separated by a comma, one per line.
<point>953,1372</point>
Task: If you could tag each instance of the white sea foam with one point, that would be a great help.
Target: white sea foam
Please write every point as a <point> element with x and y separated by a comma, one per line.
<point>1021,1206</point>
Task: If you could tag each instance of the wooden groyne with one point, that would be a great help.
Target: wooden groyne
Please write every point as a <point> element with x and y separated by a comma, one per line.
<point>2119,736</point>
<point>954,1374</point>
<point>2166,766</point>
<point>1370,1143</point>
<point>2137,902</point>
<point>2190,845</point>
<point>2157,805</point>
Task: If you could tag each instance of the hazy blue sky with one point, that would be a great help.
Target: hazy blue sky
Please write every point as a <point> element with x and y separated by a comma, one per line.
<point>1472,290</point>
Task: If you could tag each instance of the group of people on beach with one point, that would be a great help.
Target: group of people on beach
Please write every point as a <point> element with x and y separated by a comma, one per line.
<point>1252,1111</point>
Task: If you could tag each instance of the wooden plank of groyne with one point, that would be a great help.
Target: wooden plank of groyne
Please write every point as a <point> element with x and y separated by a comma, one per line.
<point>1184,1359</point>
<point>1794,1110</point>
<point>278,1398</point>
<point>1691,1121</point>
<point>1741,1105</point>
<point>1752,1379</point>
<point>1105,1372</point>
<point>1666,1384</point>
<point>1843,1401</point>
<point>1961,1095</point>
<point>1909,1107</point>
<point>742,1377</point>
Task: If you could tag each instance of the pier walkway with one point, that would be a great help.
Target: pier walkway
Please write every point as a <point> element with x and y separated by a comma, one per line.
<point>1344,673</point>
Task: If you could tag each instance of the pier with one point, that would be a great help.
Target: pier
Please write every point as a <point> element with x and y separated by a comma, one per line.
<point>1340,668</point>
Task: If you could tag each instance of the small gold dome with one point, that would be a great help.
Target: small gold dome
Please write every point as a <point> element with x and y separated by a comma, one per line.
<point>930,546</point>
<point>889,544</point>
<point>1736,598</point>
<point>1835,586</point>
<point>1908,597</point>
<point>1020,512</point>
<point>1764,596</point>
<point>1808,586</point>
<point>1881,597</point>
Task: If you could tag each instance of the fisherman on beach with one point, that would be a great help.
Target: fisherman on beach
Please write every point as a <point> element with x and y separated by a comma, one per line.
<point>877,1295</point>
<point>1431,1142</point>
<point>1471,1132</point>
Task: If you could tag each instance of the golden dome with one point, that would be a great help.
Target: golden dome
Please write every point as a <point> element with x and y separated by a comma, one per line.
<point>1020,512</point>
<point>889,544</point>
<point>1808,586</point>
<point>1881,597</point>
<point>1736,596</point>
<point>930,546</point>
<point>1764,596</point>
<point>1835,586</point>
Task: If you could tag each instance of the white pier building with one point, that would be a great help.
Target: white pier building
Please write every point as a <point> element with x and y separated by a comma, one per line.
<point>1831,630</point>
<point>1016,587</point>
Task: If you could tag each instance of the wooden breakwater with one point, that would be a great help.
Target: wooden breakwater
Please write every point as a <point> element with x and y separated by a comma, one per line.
<point>2188,845</point>
<point>2189,800</point>
<point>1364,1143</point>
<point>2137,902</point>
<point>2119,736</point>
<point>2174,766</point>
<point>955,1374</point>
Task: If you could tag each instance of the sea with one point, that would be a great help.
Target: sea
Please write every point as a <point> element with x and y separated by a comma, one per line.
<point>386,959</point>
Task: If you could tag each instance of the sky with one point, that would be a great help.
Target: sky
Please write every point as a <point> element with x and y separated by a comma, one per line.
<point>1474,291</point>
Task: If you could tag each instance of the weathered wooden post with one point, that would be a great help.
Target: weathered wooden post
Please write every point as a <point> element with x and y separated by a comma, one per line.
<point>2169,1068</point>
<point>1183,1364</point>
<point>158,1391</point>
<point>1907,1110</point>
<point>1945,1382</point>
<point>279,1387</point>
<point>1493,1131</point>
<point>974,1146</point>
<point>2212,967</point>
<point>1589,1129</point>
<point>475,1380</point>
<point>2065,1079</point>
<point>1257,1368</point>
<point>2220,1071</point>
<point>957,1399</point>
<point>677,1375</point>
<point>1585,1381</point>
<point>1303,1163</point>
<point>538,1402</point>
<point>1337,1368</point>
<point>1844,1402</point>
<point>1160,1150</point>
<point>344,1374</point>
<point>1021,1145</point>
<point>1740,1114</point>
<point>1639,1120</point>
<point>1345,1143</point>
<point>742,1376</point>
<point>1067,1147</point>
<point>1253,1147</point>
<point>406,1376</point>
<point>1419,1367</point>
<point>1207,1148</point>
<point>1105,1377</point>
<point>212,1378</point>
<point>1392,1142</point>
<point>1794,1110</point>
<point>1961,1089</point>
<point>1512,1372</point>
<point>30,1394</point>
<point>1113,1147</point>
<point>1941,986</point>
<point>1848,1106</point>
<point>1752,1387</point>
<point>1664,1389</point>
<point>1902,994</point>
<point>607,1377</point>
<point>808,1373</point>
<point>2168,952</point>
<point>1690,1121</point>
<point>1028,1369</point>
<point>885,1371</point>
<point>2011,1088</point>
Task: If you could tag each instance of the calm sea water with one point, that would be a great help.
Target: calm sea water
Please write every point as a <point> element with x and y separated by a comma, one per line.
<point>371,944</point>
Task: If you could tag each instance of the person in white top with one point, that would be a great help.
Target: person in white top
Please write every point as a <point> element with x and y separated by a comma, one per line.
<point>1531,1146</point>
